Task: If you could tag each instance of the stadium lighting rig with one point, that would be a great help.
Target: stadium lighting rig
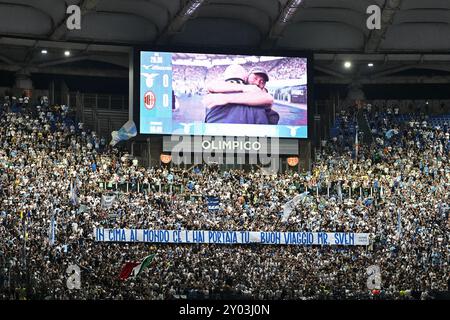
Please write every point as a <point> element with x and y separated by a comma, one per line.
<point>184,15</point>
<point>192,7</point>
<point>290,10</point>
<point>285,16</point>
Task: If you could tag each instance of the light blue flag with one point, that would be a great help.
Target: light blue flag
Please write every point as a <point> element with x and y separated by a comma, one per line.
<point>127,131</point>
<point>390,133</point>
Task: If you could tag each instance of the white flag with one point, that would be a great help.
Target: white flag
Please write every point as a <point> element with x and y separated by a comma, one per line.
<point>290,205</point>
<point>107,201</point>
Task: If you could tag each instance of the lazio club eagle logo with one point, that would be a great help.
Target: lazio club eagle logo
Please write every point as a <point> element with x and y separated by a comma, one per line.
<point>149,78</point>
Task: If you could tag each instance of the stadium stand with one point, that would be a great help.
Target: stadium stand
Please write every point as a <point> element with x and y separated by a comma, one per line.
<point>44,157</point>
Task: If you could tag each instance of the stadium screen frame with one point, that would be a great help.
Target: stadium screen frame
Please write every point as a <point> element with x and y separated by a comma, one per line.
<point>137,78</point>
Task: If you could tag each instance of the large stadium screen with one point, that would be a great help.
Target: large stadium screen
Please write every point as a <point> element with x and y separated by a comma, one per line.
<point>226,95</point>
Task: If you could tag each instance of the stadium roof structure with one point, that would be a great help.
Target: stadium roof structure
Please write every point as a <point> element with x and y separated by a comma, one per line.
<point>413,34</point>
<point>330,25</point>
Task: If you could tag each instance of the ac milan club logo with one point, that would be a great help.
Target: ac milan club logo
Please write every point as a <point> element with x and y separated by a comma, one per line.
<point>149,100</point>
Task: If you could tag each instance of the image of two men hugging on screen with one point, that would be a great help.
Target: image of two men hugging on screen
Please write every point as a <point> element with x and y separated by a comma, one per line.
<point>240,97</point>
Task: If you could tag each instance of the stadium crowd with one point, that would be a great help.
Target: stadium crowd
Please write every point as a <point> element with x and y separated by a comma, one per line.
<point>396,189</point>
<point>286,68</point>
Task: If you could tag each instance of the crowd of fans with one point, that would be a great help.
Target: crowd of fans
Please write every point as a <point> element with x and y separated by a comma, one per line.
<point>396,189</point>
<point>288,68</point>
<point>188,79</point>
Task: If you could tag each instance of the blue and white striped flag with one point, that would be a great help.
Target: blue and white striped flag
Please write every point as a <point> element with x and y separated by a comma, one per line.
<point>127,131</point>
<point>213,203</point>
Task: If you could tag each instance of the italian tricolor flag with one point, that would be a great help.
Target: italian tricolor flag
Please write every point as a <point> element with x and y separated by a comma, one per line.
<point>134,268</point>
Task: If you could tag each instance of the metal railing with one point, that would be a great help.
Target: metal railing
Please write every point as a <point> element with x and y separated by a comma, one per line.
<point>99,112</point>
